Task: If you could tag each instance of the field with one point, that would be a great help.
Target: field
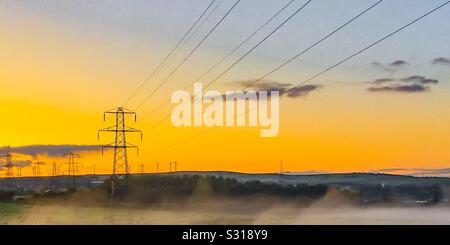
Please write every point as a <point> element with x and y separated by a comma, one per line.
<point>245,199</point>
<point>280,214</point>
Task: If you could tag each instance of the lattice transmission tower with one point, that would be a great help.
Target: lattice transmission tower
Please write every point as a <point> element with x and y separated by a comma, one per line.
<point>53,178</point>
<point>9,167</point>
<point>120,168</point>
<point>72,170</point>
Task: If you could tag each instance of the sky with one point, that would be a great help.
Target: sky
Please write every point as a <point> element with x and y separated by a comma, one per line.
<point>63,63</point>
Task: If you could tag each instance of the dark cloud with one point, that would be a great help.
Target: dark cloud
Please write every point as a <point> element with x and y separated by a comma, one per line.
<point>411,84</point>
<point>383,80</point>
<point>408,88</point>
<point>419,79</point>
<point>50,150</point>
<point>302,90</point>
<point>440,61</point>
<point>399,63</point>
<point>410,79</point>
<point>17,163</point>
<point>22,163</point>
<point>266,85</point>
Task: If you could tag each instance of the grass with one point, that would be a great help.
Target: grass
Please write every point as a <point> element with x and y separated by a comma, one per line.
<point>9,210</point>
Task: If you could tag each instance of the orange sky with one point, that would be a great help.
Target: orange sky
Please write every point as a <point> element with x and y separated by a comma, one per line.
<point>58,78</point>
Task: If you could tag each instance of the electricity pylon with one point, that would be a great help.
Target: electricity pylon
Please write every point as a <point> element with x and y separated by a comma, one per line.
<point>121,168</point>
<point>9,167</point>
<point>71,175</point>
<point>19,171</point>
<point>55,173</point>
<point>37,168</point>
<point>281,175</point>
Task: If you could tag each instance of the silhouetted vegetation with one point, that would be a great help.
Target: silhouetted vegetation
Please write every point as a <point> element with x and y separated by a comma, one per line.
<point>158,187</point>
<point>6,195</point>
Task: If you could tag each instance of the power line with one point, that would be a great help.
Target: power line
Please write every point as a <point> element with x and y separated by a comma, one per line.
<point>257,45</point>
<point>196,30</point>
<point>229,53</point>
<point>246,54</point>
<point>367,47</point>
<point>187,57</point>
<point>313,45</point>
<point>172,51</point>
<point>331,67</point>
<point>294,57</point>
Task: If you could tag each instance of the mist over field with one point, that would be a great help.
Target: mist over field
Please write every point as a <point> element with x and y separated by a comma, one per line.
<point>243,211</point>
<point>208,199</point>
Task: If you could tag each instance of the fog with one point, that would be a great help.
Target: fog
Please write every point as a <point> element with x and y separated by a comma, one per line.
<point>333,208</point>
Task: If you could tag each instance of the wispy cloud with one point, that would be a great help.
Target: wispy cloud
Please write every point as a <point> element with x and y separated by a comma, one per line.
<point>414,171</point>
<point>419,79</point>
<point>409,88</point>
<point>267,85</point>
<point>441,61</point>
<point>410,84</point>
<point>50,150</point>
<point>390,67</point>
<point>399,63</point>
<point>17,163</point>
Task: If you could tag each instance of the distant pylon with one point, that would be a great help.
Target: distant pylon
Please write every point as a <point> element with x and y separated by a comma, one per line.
<point>19,171</point>
<point>55,173</point>
<point>157,167</point>
<point>121,168</point>
<point>72,171</point>
<point>175,165</point>
<point>281,179</point>
<point>37,168</point>
<point>170,166</point>
<point>281,168</point>
<point>142,167</point>
<point>9,167</point>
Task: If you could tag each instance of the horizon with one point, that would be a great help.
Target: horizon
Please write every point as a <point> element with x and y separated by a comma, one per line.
<point>64,63</point>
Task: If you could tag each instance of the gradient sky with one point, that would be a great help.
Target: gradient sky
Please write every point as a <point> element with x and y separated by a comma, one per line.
<point>62,63</point>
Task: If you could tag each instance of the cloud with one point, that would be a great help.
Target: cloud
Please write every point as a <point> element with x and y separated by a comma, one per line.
<point>17,163</point>
<point>50,150</point>
<point>383,80</point>
<point>302,90</point>
<point>440,61</point>
<point>411,84</point>
<point>410,79</point>
<point>414,171</point>
<point>399,63</point>
<point>390,67</point>
<point>266,85</point>
<point>383,67</point>
<point>22,163</point>
<point>409,88</point>
<point>419,79</point>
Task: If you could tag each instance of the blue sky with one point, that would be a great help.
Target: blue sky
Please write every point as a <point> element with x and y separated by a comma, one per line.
<point>161,23</point>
